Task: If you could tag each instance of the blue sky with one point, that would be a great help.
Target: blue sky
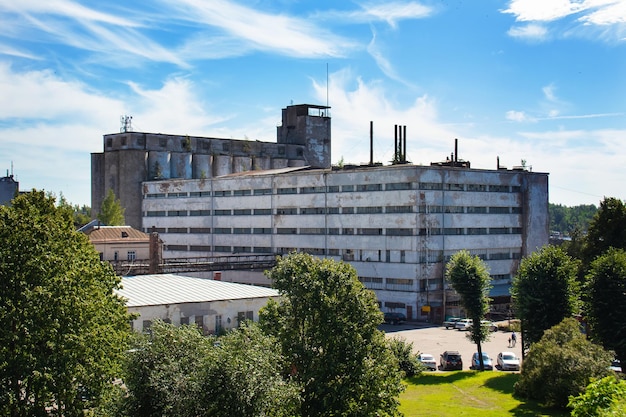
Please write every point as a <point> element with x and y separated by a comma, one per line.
<point>540,81</point>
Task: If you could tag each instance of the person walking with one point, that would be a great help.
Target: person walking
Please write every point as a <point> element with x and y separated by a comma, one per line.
<point>513,339</point>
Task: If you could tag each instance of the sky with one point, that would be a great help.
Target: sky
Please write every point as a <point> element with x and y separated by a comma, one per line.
<point>538,83</point>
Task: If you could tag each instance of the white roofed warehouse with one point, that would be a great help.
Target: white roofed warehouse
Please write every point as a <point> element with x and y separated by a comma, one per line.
<point>211,305</point>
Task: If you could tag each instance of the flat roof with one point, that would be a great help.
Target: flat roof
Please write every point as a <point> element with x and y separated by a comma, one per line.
<point>161,289</point>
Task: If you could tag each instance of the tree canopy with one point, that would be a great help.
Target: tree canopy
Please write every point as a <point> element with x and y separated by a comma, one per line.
<point>111,211</point>
<point>544,291</point>
<point>65,330</point>
<point>470,278</point>
<point>561,364</point>
<point>328,327</point>
<point>606,301</point>
<point>606,230</point>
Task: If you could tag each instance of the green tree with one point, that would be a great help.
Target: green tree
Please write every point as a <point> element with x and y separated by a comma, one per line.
<point>602,398</point>
<point>470,278</point>
<point>111,211</point>
<point>545,291</point>
<point>82,215</point>
<point>561,365</point>
<point>407,360</point>
<point>162,373</point>
<point>244,377</point>
<point>606,301</point>
<point>607,229</point>
<point>65,329</point>
<point>329,332</point>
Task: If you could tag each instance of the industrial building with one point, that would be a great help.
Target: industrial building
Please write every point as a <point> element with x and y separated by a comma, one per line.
<point>397,224</point>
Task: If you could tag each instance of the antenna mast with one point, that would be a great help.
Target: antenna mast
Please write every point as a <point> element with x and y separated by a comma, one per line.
<point>126,124</point>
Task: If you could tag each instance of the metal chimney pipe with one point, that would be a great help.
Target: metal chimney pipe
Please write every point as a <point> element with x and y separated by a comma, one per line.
<point>456,151</point>
<point>395,145</point>
<point>404,146</point>
<point>371,142</point>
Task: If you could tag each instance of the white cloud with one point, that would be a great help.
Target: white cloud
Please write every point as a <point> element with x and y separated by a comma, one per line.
<point>282,34</point>
<point>392,12</point>
<point>516,116</point>
<point>542,10</point>
<point>613,13</point>
<point>534,32</point>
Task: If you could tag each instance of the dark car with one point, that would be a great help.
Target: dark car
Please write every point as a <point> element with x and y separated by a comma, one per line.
<point>450,360</point>
<point>395,318</point>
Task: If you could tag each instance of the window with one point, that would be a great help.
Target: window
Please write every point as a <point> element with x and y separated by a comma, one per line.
<point>242,212</point>
<point>476,230</point>
<point>218,323</point>
<point>399,209</point>
<point>369,210</point>
<point>516,230</point>
<point>454,187</point>
<point>476,210</point>
<point>454,209</point>
<point>199,212</point>
<point>242,249</point>
<point>333,189</point>
<point>222,231</point>
<point>310,190</point>
<point>262,231</point>
<point>370,231</point>
<point>260,212</point>
<point>369,187</point>
<point>223,249</point>
<point>453,231</point>
<point>347,231</point>
<point>499,256</point>
<point>223,193</point>
<point>156,195</point>
<point>200,194</point>
<point>155,213</point>
<point>332,210</point>
<point>242,192</point>
<point>499,210</point>
<point>434,209</point>
<point>286,231</point>
<point>131,255</point>
<point>312,210</point>
<point>176,213</point>
<point>176,247</point>
<point>347,210</point>
<point>498,230</point>
<point>177,230</point>
<point>399,232</point>
<point>289,190</point>
<point>241,230</point>
<point>516,210</point>
<point>347,188</point>
<point>200,230</point>
<point>499,188</point>
<point>184,321</point>
<point>312,231</point>
<point>262,249</point>
<point>476,187</point>
<point>176,195</point>
<point>146,324</point>
<point>333,231</point>
<point>200,248</point>
<point>430,186</point>
<point>398,186</point>
<point>287,210</point>
<point>263,191</point>
<point>223,212</point>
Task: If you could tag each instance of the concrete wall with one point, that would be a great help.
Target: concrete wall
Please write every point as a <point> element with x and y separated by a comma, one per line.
<point>203,314</point>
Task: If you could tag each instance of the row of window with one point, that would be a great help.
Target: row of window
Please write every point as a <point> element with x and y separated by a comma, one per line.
<point>367,231</point>
<point>387,256</point>
<point>423,209</point>
<point>345,188</point>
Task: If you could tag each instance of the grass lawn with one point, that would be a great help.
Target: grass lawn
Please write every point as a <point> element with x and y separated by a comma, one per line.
<point>467,393</point>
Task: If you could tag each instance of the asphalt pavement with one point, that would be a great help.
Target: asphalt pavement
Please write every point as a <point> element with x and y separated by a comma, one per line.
<point>427,338</point>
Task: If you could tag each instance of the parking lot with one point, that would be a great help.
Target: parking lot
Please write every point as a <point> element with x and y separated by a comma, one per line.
<point>435,340</point>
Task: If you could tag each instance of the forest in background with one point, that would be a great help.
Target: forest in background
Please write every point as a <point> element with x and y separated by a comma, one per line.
<point>565,219</point>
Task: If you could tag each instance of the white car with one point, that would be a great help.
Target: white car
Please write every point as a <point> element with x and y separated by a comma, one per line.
<point>463,324</point>
<point>428,361</point>
<point>507,361</point>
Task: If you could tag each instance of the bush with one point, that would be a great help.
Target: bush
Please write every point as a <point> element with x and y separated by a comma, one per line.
<point>560,365</point>
<point>407,360</point>
<point>604,397</point>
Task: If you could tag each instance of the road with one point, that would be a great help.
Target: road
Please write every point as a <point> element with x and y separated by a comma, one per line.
<point>435,340</point>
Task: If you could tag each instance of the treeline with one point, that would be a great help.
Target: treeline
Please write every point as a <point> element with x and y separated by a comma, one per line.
<point>565,219</point>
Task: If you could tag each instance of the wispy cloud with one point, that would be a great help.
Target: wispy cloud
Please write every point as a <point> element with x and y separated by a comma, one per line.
<point>283,34</point>
<point>601,19</point>
<point>389,12</point>
<point>532,32</point>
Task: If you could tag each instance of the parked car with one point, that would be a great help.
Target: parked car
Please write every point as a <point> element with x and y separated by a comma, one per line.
<point>616,365</point>
<point>428,361</point>
<point>451,322</point>
<point>463,324</point>
<point>489,324</point>
<point>450,360</point>
<point>395,318</point>
<point>487,362</point>
<point>507,361</point>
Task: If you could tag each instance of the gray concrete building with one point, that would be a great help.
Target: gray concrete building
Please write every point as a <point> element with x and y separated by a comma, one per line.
<point>397,224</point>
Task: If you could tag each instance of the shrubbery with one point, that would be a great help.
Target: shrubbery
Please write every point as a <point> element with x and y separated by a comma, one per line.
<point>561,364</point>
<point>407,360</point>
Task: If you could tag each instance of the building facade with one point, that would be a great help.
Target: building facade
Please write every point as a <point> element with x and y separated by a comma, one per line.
<point>397,225</point>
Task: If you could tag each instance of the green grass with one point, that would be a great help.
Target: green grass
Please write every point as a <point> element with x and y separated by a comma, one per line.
<point>467,393</point>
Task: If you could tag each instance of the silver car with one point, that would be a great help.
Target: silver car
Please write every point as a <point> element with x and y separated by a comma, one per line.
<point>507,361</point>
<point>428,361</point>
